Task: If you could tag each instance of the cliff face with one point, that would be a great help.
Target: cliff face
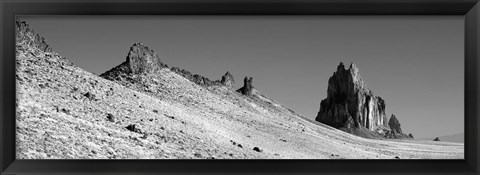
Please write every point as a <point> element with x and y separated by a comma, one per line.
<point>349,104</point>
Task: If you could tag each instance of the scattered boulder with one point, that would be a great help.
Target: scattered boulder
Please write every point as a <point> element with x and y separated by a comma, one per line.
<point>198,155</point>
<point>110,117</point>
<point>411,135</point>
<point>349,104</point>
<point>169,116</point>
<point>133,128</point>
<point>257,149</point>
<point>89,96</point>
<point>395,124</point>
<point>436,139</point>
<point>247,86</point>
<point>66,111</point>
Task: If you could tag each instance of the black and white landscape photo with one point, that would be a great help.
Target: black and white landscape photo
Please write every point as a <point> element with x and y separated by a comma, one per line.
<point>239,87</point>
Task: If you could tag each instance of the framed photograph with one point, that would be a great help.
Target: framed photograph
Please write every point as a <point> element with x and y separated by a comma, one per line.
<point>239,87</point>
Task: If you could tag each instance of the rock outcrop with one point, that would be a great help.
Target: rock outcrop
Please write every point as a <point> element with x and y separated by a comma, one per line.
<point>394,124</point>
<point>247,86</point>
<point>411,136</point>
<point>349,104</point>
<point>27,37</point>
<point>227,80</point>
<point>140,59</point>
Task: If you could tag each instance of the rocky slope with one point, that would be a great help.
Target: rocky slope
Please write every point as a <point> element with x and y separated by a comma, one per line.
<point>149,111</point>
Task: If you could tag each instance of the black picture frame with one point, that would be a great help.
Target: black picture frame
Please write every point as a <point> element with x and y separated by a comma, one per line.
<point>470,9</point>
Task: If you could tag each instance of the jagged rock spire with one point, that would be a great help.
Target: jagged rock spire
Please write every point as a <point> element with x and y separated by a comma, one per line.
<point>227,80</point>
<point>247,86</point>
<point>395,124</point>
<point>349,103</point>
<point>141,59</point>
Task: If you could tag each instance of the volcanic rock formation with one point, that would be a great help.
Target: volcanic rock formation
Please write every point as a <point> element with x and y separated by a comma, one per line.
<point>247,86</point>
<point>349,103</point>
<point>394,124</point>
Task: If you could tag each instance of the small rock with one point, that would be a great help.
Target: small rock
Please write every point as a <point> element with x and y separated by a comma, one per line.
<point>156,111</point>
<point>410,135</point>
<point>170,116</point>
<point>145,136</point>
<point>239,145</point>
<point>89,95</point>
<point>436,139</point>
<point>133,128</point>
<point>198,155</point>
<point>66,111</point>
<point>110,117</point>
<point>257,149</point>
<point>396,157</point>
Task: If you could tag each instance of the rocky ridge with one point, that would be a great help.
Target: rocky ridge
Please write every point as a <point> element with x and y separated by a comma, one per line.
<point>142,60</point>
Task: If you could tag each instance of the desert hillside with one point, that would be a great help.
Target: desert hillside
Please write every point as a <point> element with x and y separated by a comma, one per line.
<point>65,112</point>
